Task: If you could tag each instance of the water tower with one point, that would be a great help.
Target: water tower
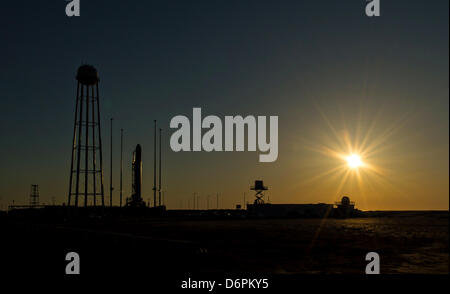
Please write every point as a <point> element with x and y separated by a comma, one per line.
<point>86,170</point>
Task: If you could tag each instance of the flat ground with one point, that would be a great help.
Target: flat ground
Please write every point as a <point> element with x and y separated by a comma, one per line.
<point>407,242</point>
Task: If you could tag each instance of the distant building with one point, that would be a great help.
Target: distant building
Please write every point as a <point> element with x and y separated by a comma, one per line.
<point>289,210</point>
<point>345,208</point>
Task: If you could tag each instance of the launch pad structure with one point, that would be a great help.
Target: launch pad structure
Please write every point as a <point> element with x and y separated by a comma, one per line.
<point>87,172</point>
<point>136,184</point>
<point>34,195</point>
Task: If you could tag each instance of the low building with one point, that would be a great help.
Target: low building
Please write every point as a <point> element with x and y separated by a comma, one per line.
<point>289,210</point>
<point>345,208</point>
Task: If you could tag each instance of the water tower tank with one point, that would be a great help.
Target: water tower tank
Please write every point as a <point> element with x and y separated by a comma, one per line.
<point>87,75</point>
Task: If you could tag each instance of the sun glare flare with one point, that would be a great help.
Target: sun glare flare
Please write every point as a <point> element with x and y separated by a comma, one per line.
<point>350,155</point>
<point>354,161</point>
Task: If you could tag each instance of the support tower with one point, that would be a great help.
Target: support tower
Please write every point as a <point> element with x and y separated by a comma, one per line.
<point>86,170</point>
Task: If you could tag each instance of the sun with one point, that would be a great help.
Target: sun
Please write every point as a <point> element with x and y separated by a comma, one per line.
<point>354,161</point>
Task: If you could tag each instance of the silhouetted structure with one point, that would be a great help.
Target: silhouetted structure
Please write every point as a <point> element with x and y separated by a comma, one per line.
<point>154,167</point>
<point>87,140</point>
<point>159,188</point>
<point>121,166</point>
<point>259,188</point>
<point>136,198</point>
<point>111,165</point>
<point>290,210</point>
<point>34,196</point>
<point>345,208</point>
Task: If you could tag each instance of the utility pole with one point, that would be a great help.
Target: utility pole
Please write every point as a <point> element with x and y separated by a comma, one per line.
<point>154,165</point>
<point>111,167</point>
<point>159,190</point>
<point>121,165</point>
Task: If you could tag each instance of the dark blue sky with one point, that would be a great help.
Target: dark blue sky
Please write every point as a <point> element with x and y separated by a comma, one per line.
<point>294,59</point>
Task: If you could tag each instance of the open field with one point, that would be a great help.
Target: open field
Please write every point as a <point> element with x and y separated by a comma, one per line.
<point>407,242</point>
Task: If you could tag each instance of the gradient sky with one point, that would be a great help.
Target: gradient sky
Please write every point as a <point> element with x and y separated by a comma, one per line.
<point>333,76</point>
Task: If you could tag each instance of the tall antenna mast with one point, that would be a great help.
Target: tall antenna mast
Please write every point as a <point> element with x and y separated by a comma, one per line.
<point>111,166</point>
<point>121,165</point>
<point>154,166</point>
<point>159,190</point>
